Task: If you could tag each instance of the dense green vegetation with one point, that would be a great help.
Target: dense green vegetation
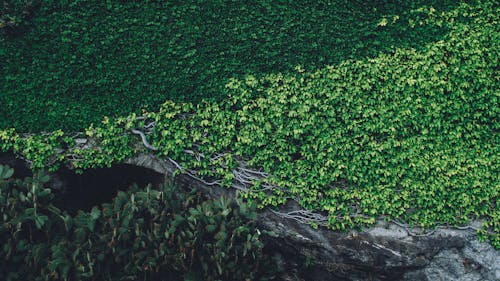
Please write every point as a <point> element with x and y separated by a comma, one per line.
<point>73,62</point>
<point>410,134</point>
<point>144,234</point>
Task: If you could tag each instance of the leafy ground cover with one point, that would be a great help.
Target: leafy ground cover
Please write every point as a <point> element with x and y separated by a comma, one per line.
<point>77,61</point>
<point>410,135</point>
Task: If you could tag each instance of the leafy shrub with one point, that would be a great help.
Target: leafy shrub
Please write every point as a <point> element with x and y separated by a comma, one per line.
<point>149,234</point>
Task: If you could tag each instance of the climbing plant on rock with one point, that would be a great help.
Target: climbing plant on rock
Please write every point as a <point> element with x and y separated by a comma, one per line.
<point>410,136</point>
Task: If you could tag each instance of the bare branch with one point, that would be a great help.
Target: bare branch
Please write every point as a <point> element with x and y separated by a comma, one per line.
<point>144,140</point>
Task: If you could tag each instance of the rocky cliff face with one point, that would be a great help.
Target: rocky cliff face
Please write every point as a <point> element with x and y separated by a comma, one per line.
<point>384,252</point>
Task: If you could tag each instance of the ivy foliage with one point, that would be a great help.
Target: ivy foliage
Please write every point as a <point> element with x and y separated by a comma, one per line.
<point>81,60</point>
<point>410,135</point>
<point>15,14</point>
<point>144,234</point>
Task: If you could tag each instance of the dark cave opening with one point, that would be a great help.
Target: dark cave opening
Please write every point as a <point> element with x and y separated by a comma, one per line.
<point>74,192</point>
<point>21,168</point>
<point>97,186</point>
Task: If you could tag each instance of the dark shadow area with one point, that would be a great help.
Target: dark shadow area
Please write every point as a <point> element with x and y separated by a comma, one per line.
<point>93,187</point>
<point>97,186</point>
<point>21,168</point>
<point>83,61</point>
